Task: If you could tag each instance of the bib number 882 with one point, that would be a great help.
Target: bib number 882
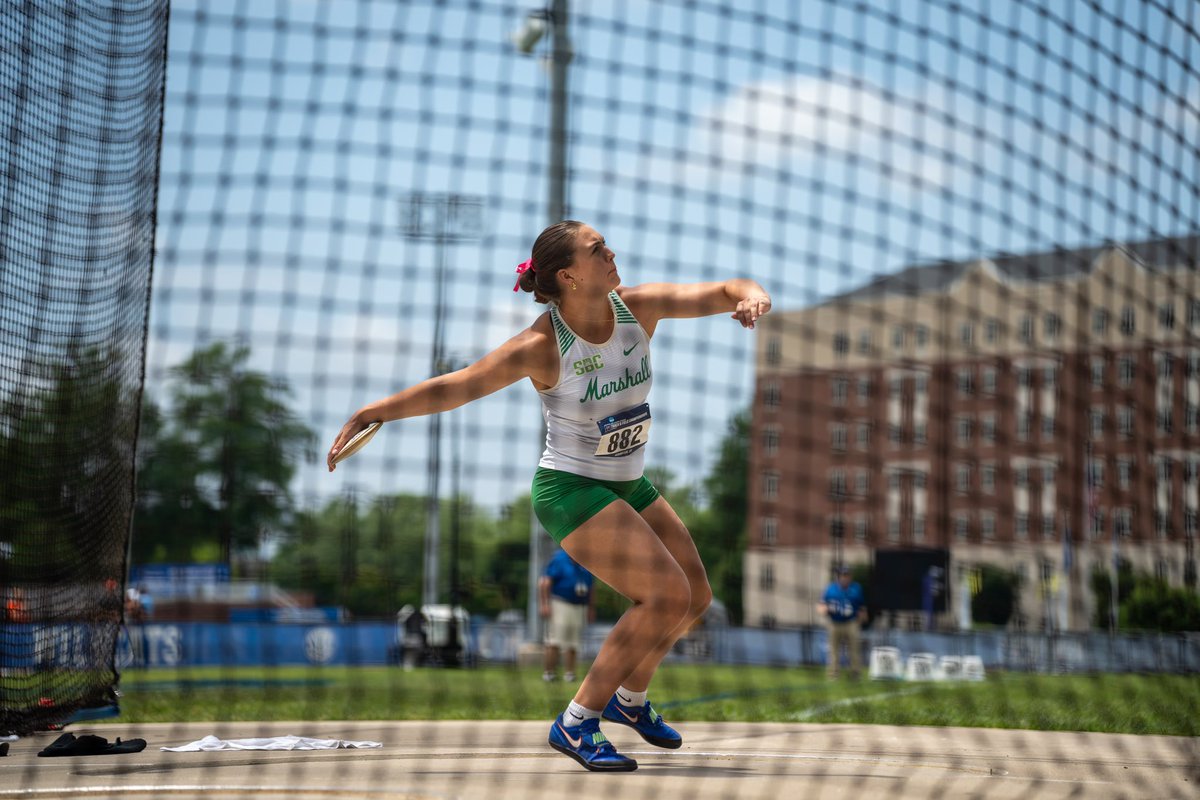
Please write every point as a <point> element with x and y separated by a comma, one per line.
<point>625,439</point>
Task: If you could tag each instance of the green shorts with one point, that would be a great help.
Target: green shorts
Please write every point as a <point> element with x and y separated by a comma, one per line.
<point>563,501</point>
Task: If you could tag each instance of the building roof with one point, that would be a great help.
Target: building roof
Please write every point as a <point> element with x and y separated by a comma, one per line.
<point>1181,251</point>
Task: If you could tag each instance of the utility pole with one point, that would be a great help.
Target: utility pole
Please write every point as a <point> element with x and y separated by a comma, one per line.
<point>443,219</point>
<point>556,209</point>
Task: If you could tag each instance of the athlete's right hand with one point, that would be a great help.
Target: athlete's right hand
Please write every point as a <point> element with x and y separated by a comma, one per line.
<point>348,432</point>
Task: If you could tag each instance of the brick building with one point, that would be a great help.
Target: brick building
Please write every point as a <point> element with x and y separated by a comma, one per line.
<point>963,405</point>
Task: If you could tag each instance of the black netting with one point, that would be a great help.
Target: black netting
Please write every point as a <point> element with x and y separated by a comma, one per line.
<point>82,87</point>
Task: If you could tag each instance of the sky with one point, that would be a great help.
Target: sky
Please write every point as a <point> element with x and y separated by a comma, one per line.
<point>809,145</point>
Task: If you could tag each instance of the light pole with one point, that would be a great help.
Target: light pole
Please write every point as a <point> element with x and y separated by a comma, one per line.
<point>443,219</point>
<point>556,208</point>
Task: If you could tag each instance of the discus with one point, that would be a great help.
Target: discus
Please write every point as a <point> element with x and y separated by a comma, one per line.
<point>357,443</point>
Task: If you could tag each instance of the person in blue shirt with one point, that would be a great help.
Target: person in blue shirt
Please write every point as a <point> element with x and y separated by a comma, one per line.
<point>844,608</point>
<point>565,599</point>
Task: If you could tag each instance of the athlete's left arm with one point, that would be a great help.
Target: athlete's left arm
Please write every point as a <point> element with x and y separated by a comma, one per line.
<point>651,302</point>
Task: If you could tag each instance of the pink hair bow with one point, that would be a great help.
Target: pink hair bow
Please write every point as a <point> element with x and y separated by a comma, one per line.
<point>524,265</point>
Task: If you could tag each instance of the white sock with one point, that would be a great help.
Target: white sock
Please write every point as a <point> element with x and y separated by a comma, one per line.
<point>576,714</point>
<point>631,699</point>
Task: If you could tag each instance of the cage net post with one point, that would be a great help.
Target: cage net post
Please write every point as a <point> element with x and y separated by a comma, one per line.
<point>81,113</point>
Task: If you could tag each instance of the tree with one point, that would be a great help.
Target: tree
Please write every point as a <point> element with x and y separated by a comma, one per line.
<point>720,529</point>
<point>67,431</point>
<point>1155,605</point>
<point>996,600</point>
<point>217,463</point>
<point>1101,581</point>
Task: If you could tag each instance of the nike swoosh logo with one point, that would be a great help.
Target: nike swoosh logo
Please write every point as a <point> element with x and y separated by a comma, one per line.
<point>624,699</point>
<point>630,350</point>
<point>575,742</point>
<point>632,719</point>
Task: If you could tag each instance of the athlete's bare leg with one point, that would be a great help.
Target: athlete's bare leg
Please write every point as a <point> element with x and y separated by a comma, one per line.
<point>620,548</point>
<point>675,537</point>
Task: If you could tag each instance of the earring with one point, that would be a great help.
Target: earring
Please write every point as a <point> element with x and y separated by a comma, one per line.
<point>573,286</point>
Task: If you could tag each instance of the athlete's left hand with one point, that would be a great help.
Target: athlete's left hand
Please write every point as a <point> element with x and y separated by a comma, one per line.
<point>749,310</point>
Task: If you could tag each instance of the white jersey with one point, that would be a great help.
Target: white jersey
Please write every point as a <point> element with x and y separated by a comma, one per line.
<point>597,418</point>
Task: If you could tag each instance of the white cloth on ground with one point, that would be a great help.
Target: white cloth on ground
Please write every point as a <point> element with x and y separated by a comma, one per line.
<point>210,743</point>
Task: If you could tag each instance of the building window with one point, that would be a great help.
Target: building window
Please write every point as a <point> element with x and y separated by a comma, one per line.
<point>841,344</point>
<point>1125,421</point>
<point>919,433</point>
<point>1162,570</point>
<point>989,428</point>
<point>864,343</point>
<point>862,483</point>
<point>922,337</point>
<point>1124,473</point>
<point>1021,477</point>
<point>864,390</point>
<point>840,388</point>
<point>1096,422</point>
<point>987,478</point>
<point>1097,523</point>
<point>1050,377</point>
<point>773,351</point>
<point>1124,522</point>
<point>893,480</point>
<point>919,480</point>
<point>921,383</point>
<point>1166,316</point>
<point>1096,473</point>
<point>1024,424</point>
<point>989,381</point>
<point>860,529</point>
<point>1026,335</point>
<point>962,478</point>
<point>1024,377</point>
<point>987,526</point>
<point>767,622</point>
<point>1191,417</point>
<point>965,384</point>
<point>963,427</point>
<point>766,577</point>
<point>918,528</point>
<point>1193,365</point>
<point>894,433</point>
<point>1166,366</point>
<point>837,528</point>
<point>1021,526</point>
<point>770,440</point>
<point>1049,471</point>
<point>1098,373</point>
<point>1051,326</point>
<point>771,396</point>
<point>1191,521</point>
<point>898,338</point>
<point>1162,524</point>
<point>895,388</point>
<point>863,430</point>
<point>837,484</point>
<point>1048,426</point>
<point>1100,321</point>
<point>966,334</point>
<point>894,529</point>
<point>991,330</point>
<point>770,484</point>
<point>1128,321</point>
<point>1048,526</point>
<point>1125,370</point>
<point>770,531</point>
<point>962,527</point>
<point>1164,421</point>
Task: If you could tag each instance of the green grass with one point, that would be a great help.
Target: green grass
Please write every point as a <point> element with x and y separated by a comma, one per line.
<point>1142,704</point>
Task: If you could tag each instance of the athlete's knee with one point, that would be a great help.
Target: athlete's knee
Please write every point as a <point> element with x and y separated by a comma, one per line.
<point>701,599</point>
<point>671,595</point>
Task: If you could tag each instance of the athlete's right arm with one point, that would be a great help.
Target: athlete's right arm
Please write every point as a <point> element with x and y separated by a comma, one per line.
<point>529,354</point>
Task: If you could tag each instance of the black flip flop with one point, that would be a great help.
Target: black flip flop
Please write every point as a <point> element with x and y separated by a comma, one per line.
<point>88,745</point>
